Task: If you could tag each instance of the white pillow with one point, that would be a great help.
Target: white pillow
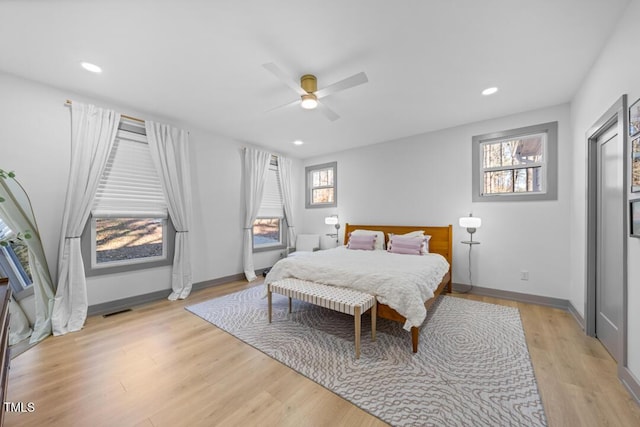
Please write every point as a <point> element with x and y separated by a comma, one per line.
<point>425,244</point>
<point>418,234</point>
<point>379,246</point>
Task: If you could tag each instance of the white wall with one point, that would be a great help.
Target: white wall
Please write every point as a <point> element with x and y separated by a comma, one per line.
<point>35,143</point>
<point>219,208</point>
<point>616,72</point>
<point>426,180</point>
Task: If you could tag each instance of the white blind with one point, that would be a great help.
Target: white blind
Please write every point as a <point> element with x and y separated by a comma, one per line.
<point>130,186</point>
<point>5,231</point>
<point>271,206</point>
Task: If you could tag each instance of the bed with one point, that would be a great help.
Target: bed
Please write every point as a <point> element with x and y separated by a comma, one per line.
<point>406,284</point>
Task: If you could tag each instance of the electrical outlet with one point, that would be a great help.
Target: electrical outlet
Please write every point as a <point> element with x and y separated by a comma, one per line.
<point>524,275</point>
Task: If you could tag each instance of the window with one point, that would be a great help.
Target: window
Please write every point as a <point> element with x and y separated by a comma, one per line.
<point>128,239</point>
<point>516,165</point>
<point>267,233</point>
<point>14,260</point>
<point>322,186</point>
<point>129,226</point>
<point>269,224</point>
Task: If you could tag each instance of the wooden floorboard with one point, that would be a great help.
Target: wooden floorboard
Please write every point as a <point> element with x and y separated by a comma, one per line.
<point>159,365</point>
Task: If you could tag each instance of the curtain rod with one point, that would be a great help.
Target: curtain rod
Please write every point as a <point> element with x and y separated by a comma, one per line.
<point>135,119</point>
<point>274,155</point>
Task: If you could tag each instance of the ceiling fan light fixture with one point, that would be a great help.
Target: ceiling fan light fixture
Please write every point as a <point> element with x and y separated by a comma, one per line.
<point>309,101</point>
<point>489,91</point>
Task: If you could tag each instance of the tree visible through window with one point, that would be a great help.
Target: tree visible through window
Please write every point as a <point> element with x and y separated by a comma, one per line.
<point>267,232</point>
<point>322,191</point>
<point>518,164</point>
<point>127,239</point>
<point>321,185</point>
<point>513,166</point>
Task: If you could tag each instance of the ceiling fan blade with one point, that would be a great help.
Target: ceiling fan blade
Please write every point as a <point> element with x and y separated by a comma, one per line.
<point>282,76</point>
<point>328,112</point>
<point>349,82</point>
<point>288,104</point>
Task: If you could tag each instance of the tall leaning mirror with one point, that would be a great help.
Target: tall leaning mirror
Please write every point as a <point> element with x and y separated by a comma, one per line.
<point>23,262</point>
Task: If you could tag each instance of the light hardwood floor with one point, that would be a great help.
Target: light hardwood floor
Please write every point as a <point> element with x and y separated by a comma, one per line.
<point>159,365</point>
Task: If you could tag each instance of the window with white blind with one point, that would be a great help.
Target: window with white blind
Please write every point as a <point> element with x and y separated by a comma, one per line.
<point>129,220</point>
<point>14,259</point>
<point>268,228</point>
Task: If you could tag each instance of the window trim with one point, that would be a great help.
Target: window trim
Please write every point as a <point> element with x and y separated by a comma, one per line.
<point>309,185</point>
<point>549,165</point>
<point>87,246</point>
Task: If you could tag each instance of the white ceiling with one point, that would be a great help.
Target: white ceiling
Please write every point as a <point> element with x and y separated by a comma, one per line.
<point>200,62</point>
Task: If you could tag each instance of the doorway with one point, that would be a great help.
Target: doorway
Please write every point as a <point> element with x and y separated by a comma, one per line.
<point>605,304</point>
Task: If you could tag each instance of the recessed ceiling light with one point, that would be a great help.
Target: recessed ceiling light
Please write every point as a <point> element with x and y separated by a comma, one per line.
<point>490,91</point>
<point>91,67</point>
<point>298,142</point>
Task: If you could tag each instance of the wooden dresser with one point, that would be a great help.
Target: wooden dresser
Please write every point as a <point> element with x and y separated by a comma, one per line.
<point>5,294</point>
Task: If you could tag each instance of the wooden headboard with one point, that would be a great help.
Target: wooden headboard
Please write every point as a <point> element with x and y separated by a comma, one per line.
<point>440,243</point>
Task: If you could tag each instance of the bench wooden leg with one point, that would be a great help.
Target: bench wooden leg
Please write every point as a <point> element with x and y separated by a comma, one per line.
<point>289,305</point>
<point>374,315</point>
<point>269,302</point>
<point>357,322</point>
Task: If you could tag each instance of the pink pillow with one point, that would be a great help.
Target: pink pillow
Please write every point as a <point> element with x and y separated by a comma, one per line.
<point>362,242</point>
<point>405,245</point>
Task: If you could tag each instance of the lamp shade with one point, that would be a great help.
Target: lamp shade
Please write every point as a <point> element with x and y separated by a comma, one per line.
<point>470,222</point>
<point>331,220</point>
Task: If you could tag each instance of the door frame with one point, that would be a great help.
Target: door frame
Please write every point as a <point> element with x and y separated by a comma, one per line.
<point>615,115</point>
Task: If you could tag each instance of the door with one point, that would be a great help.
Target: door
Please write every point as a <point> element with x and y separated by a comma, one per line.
<point>610,241</point>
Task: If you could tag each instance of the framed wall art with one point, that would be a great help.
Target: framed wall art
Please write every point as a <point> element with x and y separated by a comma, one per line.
<point>634,217</point>
<point>635,165</point>
<point>634,118</point>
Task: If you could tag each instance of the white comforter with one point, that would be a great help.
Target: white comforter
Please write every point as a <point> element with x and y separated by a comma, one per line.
<point>402,282</point>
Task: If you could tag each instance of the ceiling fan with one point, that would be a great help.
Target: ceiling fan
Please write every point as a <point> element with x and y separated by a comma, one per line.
<point>308,89</point>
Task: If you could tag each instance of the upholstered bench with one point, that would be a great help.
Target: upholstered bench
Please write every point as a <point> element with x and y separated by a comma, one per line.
<point>347,301</point>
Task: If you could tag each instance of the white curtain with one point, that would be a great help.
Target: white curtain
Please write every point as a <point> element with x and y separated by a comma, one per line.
<point>19,328</point>
<point>18,220</point>
<point>42,292</point>
<point>93,131</point>
<point>256,165</point>
<point>169,151</point>
<point>285,171</point>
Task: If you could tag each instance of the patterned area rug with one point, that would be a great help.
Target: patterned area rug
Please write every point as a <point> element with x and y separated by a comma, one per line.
<point>472,366</point>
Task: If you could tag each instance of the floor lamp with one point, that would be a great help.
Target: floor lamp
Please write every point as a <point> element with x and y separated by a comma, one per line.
<point>471,223</point>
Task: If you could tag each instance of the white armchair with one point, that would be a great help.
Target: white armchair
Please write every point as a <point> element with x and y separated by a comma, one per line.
<point>307,242</point>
